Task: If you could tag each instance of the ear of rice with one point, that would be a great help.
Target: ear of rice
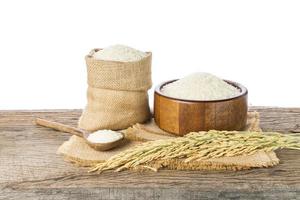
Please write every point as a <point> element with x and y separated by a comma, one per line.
<point>200,146</point>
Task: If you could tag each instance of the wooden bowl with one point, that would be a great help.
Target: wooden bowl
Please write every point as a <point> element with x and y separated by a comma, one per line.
<point>179,116</point>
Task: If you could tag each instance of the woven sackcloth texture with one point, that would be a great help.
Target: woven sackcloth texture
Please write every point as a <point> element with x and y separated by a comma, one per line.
<point>75,150</point>
<point>115,75</point>
<point>117,93</point>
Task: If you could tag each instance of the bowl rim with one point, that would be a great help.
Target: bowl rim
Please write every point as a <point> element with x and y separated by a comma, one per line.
<point>242,88</point>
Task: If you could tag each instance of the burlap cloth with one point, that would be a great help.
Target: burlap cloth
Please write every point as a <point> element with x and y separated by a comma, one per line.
<point>117,93</point>
<point>75,150</point>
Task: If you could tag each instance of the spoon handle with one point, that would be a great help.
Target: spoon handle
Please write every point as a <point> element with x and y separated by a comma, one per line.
<point>59,127</point>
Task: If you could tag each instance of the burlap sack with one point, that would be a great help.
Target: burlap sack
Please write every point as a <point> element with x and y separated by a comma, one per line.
<point>76,150</point>
<point>117,93</point>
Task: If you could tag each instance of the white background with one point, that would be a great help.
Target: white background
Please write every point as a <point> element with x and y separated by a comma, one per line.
<point>43,44</point>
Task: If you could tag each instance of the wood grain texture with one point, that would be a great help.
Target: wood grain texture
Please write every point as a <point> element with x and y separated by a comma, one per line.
<point>184,116</point>
<point>30,169</point>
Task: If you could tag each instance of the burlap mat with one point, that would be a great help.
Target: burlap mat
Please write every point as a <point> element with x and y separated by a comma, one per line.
<point>75,150</point>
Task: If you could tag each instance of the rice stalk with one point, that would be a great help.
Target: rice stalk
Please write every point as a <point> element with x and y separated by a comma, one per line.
<point>200,146</point>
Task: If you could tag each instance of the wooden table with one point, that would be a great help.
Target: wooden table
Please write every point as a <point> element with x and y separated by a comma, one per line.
<point>29,167</point>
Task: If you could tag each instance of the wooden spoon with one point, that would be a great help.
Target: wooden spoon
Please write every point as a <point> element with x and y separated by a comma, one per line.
<point>79,132</point>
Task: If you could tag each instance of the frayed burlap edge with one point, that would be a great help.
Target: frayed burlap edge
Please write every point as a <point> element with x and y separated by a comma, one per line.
<point>178,164</point>
<point>80,162</point>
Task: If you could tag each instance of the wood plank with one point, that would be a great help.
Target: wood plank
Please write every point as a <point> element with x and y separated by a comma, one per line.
<point>29,167</point>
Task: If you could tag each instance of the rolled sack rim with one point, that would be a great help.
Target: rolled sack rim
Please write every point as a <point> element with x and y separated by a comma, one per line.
<point>99,71</point>
<point>90,57</point>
